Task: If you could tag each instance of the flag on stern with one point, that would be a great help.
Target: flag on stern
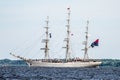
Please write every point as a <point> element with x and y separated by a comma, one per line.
<point>95,43</point>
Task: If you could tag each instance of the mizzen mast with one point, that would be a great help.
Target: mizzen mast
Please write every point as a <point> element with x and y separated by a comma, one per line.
<point>67,57</point>
<point>86,43</point>
<point>46,41</point>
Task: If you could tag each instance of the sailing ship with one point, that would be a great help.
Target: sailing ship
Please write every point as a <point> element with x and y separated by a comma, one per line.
<point>68,61</point>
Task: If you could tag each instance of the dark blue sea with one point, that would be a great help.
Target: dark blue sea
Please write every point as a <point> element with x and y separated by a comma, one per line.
<point>18,70</point>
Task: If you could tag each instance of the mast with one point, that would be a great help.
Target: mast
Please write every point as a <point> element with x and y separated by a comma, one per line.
<point>46,49</point>
<point>67,56</point>
<point>86,43</point>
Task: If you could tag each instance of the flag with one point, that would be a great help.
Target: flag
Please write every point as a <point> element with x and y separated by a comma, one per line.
<point>50,35</point>
<point>95,43</point>
<point>71,34</point>
<point>68,8</point>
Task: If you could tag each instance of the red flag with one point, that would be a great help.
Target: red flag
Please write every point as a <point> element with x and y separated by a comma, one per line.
<point>95,43</point>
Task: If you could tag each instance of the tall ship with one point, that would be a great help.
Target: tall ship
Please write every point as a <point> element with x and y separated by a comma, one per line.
<point>67,61</point>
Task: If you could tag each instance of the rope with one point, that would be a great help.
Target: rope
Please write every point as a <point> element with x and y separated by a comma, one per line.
<point>21,50</point>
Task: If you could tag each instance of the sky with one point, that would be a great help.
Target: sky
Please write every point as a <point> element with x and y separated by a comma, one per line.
<point>22,25</point>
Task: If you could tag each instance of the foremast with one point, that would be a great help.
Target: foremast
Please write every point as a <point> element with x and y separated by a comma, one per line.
<point>86,57</point>
<point>46,41</point>
<point>67,56</point>
<point>46,49</point>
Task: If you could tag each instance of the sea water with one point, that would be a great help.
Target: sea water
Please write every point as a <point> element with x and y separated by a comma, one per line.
<point>41,73</point>
<point>107,71</point>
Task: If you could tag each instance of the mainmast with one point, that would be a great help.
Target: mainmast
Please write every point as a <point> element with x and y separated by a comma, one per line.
<point>86,43</point>
<point>68,37</point>
<point>46,49</point>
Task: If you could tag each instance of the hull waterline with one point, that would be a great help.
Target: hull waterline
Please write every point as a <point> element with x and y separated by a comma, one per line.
<point>66,64</point>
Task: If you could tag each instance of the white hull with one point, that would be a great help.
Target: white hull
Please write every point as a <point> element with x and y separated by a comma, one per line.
<point>68,64</point>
